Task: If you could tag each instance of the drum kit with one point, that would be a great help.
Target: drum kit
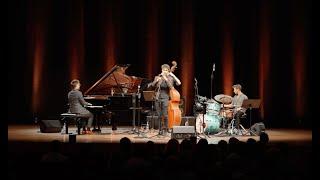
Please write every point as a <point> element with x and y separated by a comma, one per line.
<point>213,115</point>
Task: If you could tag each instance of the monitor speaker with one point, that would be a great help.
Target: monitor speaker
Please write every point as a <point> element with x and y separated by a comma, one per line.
<point>50,126</point>
<point>183,132</point>
<point>257,128</point>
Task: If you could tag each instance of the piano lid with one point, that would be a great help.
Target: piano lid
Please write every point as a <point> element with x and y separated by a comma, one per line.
<point>117,80</point>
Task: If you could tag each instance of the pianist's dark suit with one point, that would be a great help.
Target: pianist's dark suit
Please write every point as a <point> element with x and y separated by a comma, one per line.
<point>77,103</point>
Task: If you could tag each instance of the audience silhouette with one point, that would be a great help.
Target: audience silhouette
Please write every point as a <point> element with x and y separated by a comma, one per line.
<point>189,159</point>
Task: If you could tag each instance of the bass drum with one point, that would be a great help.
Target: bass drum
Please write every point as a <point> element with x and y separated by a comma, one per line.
<point>210,123</point>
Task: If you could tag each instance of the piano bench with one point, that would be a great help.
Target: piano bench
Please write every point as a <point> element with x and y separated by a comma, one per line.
<point>79,119</point>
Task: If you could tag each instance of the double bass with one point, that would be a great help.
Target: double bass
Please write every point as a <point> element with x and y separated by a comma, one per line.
<point>174,112</point>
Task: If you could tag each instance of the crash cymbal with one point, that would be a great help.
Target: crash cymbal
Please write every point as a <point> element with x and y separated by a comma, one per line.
<point>222,98</point>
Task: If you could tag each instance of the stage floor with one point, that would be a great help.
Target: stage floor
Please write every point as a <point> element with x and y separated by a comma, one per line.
<point>31,133</point>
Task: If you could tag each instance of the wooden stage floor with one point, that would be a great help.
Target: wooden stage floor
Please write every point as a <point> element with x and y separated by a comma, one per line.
<point>31,133</point>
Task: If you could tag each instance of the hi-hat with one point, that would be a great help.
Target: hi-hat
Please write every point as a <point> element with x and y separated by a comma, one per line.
<point>225,99</point>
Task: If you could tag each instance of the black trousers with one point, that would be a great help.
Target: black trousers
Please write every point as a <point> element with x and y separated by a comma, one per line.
<point>237,117</point>
<point>161,106</point>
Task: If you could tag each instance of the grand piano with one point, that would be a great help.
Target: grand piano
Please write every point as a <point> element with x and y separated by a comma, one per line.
<point>117,92</point>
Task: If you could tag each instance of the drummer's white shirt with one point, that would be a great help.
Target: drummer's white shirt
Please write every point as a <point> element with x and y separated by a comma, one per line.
<point>237,101</point>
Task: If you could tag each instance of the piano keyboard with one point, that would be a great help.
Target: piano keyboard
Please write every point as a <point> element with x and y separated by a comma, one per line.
<point>94,107</point>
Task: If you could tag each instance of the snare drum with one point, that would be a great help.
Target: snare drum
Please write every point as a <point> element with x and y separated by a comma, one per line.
<point>226,113</point>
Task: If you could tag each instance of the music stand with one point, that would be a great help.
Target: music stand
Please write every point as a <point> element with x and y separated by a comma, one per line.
<point>150,96</point>
<point>140,135</point>
<point>134,108</point>
<point>251,103</point>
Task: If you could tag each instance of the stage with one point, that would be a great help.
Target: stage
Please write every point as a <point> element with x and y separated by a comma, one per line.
<point>31,133</point>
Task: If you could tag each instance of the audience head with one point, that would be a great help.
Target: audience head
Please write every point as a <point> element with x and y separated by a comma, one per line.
<point>264,138</point>
<point>172,147</point>
<point>55,145</point>
<point>202,145</point>
<point>185,145</point>
<point>233,140</point>
<point>125,144</point>
<point>251,141</point>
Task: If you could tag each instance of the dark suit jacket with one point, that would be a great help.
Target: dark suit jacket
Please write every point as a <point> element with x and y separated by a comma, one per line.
<point>163,87</point>
<point>77,102</point>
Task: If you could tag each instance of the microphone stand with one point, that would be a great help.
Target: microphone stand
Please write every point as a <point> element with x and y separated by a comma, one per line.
<point>213,69</point>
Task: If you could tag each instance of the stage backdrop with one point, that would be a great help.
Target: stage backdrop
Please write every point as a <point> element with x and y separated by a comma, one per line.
<point>263,45</point>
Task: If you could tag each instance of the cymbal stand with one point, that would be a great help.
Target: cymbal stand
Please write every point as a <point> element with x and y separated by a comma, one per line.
<point>230,127</point>
<point>237,130</point>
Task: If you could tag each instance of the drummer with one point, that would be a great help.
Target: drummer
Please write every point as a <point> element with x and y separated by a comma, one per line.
<point>236,103</point>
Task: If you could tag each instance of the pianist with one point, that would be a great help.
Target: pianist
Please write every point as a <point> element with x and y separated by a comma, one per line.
<point>77,105</point>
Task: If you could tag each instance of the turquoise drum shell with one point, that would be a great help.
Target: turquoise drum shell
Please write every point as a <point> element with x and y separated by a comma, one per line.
<point>213,108</point>
<point>213,123</point>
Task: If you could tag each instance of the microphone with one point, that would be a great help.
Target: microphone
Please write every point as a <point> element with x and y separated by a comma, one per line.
<point>214,67</point>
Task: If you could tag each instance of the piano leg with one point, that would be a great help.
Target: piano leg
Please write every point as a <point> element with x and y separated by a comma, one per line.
<point>114,122</point>
<point>97,122</point>
<point>66,122</point>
